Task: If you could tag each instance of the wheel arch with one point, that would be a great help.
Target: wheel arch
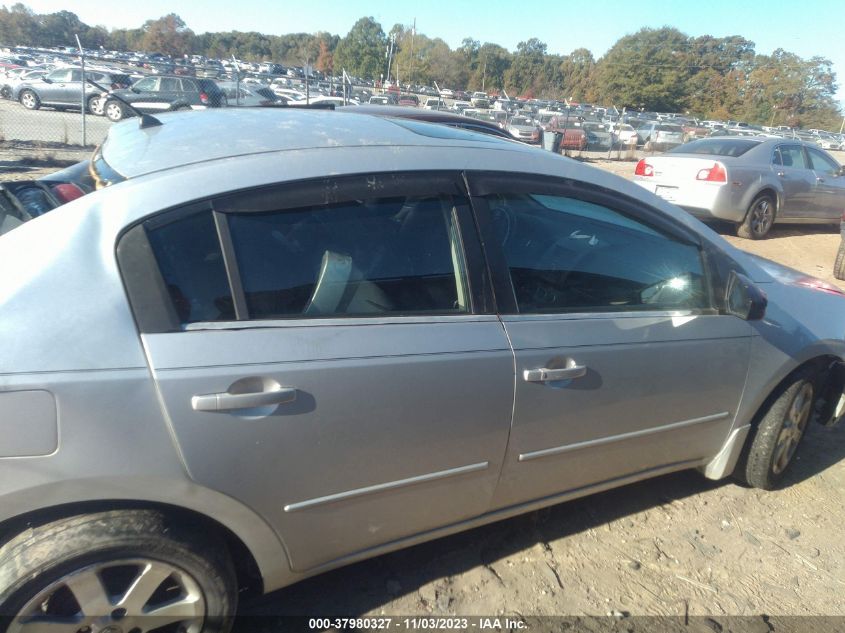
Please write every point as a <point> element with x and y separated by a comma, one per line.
<point>258,553</point>
<point>766,189</point>
<point>738,442</point>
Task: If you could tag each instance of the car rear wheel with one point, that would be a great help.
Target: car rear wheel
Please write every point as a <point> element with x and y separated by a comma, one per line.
<point>114,110</point>
<point>839,264</point>
<point>30,100</point>
<point>780,432</point>
<point>127,571</point>
<point>759,218</point>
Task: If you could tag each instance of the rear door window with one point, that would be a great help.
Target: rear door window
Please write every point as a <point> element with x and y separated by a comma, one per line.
<point>793,156</point>
<point>381,256</point>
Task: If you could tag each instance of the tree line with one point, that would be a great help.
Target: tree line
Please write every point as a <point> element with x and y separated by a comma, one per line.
<point>653,69</point>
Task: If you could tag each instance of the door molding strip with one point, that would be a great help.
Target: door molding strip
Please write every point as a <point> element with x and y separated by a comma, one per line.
<point>390,485</point>
<point>557,450</point>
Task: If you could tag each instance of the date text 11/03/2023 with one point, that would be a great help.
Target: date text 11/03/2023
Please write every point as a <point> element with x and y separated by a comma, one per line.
<point>418,624</point>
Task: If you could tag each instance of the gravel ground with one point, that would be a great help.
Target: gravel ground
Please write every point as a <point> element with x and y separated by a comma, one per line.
<point>676,545</point>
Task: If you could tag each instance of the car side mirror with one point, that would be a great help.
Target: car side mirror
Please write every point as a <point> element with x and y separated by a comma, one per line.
<point>841,171</point>
<point>744,299</point>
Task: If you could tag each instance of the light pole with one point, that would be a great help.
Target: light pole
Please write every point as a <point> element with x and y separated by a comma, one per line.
<point>390,55</point>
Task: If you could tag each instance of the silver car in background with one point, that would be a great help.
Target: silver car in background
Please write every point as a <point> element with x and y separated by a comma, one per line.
<point>274,342</point>
<point>752,182</point>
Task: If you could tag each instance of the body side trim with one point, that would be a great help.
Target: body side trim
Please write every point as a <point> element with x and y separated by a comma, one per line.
<point>557,450</point>
<point>390,485</point>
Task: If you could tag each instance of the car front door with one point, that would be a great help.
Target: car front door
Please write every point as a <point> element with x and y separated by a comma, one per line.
<point>830,185</point>
<point>327,354</point>
<point>54,90</point>
<point>147,97</point>
<point>623,366</point>
<point>789,163</point>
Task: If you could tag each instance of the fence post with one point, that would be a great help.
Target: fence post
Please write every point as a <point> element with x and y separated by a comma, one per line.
<point>83,104</point>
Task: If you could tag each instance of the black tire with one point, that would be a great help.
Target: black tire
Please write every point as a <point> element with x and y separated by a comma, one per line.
<point>92,106</point>
<point>114,548</point>
<point>759,218</point>
<point>29,100</point>
<point>768,459</point>
<point>114,110</point>
<point>839,264</point>
<point>6,92</point>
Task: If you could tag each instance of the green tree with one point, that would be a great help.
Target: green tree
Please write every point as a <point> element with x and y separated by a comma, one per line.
<point>168,34</point>
<point>362,51</point>
<point>648,69</point>
<point>526,70</point>
<point>493,63</point>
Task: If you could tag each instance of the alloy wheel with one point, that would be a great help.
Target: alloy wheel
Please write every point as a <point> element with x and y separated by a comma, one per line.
<point>794,424</point>
<point>762,216</point>
<point>124,596</point>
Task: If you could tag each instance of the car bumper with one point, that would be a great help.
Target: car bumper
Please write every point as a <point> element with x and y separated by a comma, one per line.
<point>706,201</point>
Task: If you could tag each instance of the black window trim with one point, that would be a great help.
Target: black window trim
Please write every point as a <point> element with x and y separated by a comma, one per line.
<point>483,183</point>
<point>151,303</point>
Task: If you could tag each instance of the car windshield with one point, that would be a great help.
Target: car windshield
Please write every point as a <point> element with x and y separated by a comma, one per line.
<point>724,146</point>
<point>674,129</point>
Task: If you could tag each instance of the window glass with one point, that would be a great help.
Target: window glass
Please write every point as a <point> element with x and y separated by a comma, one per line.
<point>822,163</point>
<point>188,254</point>
<point>777,159</point>
<point>793,156</point>
<point>568,255</point>
<point>385,256</point>
<point>60,75</point>
<point>169,84</point>
<point>716,147</point>
<point>188,85</point>
<point>145,85</point>
<point>76,75</point>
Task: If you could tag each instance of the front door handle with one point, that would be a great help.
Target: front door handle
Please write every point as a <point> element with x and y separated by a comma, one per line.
<point>544,374</point>
<point>819,179</point>
<point>781,174</point>
<point>232,401</point>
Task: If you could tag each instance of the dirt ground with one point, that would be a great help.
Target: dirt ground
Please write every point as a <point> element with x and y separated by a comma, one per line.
<point>676,545</point>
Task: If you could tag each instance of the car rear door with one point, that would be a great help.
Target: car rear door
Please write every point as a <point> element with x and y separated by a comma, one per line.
<point>327,354</point>
<point>797,180</point>
<point>623,366</point>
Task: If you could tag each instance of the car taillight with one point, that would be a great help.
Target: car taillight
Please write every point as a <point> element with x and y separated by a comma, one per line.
<point>716,173</point>
<point>644,169</point>
<point>203,97</point>
<point>66,192</point>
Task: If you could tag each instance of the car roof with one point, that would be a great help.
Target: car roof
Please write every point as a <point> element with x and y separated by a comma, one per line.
<point>219,133</point>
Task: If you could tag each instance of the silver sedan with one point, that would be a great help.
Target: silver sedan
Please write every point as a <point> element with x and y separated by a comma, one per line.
<point>753,182</point>
<point>273,342</point>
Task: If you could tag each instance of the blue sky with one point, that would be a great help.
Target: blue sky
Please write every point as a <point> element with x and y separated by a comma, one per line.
<point>809,28</point>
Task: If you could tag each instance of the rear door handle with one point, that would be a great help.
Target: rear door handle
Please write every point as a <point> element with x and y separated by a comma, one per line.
<point>548,375</point>
<point>781,174</point>
<point>819,179</point>
<point>226,401</point>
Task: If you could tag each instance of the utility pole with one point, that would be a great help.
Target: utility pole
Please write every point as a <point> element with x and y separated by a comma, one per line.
<point>413,35</point>
<point>82,68</point>
<point>390,55</point>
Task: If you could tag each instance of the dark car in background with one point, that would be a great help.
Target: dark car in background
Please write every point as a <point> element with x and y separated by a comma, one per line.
<point>62,89</point>
<point>164,93</point>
